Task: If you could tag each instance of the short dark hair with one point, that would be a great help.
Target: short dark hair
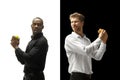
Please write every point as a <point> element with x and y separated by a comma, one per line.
<point>39,19</point>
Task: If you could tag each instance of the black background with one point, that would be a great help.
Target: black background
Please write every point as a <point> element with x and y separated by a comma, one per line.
<point>99,14</point>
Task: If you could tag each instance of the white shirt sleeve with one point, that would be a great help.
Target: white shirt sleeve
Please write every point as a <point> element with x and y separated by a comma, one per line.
<point>98,54</point>
<point>94,50</point>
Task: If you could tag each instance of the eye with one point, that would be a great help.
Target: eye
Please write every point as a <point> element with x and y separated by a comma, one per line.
<point>33,24</point>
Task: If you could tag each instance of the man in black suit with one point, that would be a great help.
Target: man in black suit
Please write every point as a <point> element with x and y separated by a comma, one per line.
<point>34,57</point>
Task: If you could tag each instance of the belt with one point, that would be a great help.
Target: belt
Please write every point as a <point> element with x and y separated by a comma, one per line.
<point>82,74</point>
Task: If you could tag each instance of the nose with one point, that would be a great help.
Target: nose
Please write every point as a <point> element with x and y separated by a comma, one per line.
<point>36,26</point>
<point>73,24</point>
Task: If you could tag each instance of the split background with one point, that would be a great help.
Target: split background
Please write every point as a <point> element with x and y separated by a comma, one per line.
<point>16,17</point>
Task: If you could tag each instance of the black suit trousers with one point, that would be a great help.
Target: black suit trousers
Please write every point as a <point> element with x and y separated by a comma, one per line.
<point>34,76</point>
<point>79,76</point>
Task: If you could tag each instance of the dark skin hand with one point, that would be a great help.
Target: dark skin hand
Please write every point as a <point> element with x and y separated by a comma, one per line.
<point>14,42</point>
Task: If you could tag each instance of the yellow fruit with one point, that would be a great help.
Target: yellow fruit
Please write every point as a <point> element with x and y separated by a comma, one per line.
<point>16,37</point>
<point>100,30</point>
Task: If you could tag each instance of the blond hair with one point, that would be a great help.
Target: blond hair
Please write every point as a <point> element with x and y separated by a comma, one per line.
<point>80,16</point>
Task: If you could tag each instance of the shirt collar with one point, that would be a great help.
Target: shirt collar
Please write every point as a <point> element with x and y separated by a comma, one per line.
<point>77,35</point>
<point>37,35</point>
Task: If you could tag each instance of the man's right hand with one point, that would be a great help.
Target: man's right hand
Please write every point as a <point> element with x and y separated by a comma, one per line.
<point>15,41</point>
<point>103,35</point>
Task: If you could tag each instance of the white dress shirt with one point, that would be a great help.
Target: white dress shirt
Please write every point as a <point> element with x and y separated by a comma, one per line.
<point>80,51</point>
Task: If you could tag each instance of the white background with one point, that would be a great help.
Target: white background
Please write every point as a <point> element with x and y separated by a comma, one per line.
<point>15,19</point>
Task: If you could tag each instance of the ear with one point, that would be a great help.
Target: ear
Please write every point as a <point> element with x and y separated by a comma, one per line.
<point>42,26</point>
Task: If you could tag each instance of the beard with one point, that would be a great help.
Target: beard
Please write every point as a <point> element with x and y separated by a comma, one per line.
<point>36,32</point>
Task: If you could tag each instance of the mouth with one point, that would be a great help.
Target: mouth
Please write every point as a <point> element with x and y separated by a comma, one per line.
<point>35,31</point>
